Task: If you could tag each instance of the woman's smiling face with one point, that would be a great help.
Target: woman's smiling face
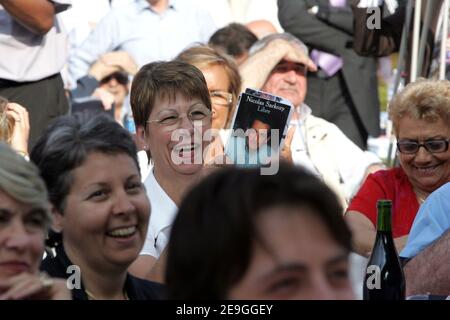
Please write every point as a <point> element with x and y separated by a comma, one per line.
<point>426,171</point>
<point>106,212</point>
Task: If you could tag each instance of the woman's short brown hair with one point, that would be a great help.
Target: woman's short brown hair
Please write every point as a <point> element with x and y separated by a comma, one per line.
<point>164,80</point>
<point>203,56</point>
<point>424,99</point>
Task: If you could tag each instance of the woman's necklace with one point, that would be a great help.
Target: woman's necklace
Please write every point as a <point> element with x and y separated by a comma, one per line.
<point>421,196</point>
<point>90,296</point>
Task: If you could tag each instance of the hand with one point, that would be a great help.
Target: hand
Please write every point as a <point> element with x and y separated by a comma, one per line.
<point>106,97</point>
<point>286,152</point>
<point>34,287</point>
<point>120,59</point>
<point>21,129</point>
<point>99,70</point>
<point>291,52</point>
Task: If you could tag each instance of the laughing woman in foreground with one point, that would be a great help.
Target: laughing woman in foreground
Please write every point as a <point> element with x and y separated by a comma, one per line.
<point>243,235</point>
<point>99,207</point>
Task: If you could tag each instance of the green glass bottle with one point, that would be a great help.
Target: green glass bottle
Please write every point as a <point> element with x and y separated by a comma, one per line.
<point>384,279</point>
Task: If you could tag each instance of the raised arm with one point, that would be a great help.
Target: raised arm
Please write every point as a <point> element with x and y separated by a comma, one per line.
<point>256,69</point>
<point>37,15</point>
<point>104,38</point>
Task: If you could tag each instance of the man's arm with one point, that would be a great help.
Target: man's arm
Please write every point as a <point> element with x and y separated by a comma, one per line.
<point>37,15</point>
<point>429,271</point>
<point>339,17</point>
<point>104,38</point>
<point>256,69</point>
<point>295,19</point>
<point>381,40</point>
<point>428,247</point>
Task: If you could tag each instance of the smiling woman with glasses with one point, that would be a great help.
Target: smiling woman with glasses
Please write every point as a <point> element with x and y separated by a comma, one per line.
<point>421,119</point>
<point>224,84</point>
<point>222,78</point>
<point>198,114</point>
<point>221,98</point>
<point>172,110</point>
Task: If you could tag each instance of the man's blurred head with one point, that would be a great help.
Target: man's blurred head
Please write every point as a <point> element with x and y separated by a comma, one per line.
<point>116,84</point>
<point>287,79</point>
<point>235,40</point>
<point>261,28</point>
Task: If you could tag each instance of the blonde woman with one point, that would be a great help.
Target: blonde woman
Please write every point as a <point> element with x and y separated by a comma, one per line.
<point>421,119</point>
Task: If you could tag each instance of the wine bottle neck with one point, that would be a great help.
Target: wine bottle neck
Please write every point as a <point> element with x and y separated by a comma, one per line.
<point>384,220</point>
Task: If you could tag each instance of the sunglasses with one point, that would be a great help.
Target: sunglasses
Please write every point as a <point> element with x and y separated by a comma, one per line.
<point>120,77</point>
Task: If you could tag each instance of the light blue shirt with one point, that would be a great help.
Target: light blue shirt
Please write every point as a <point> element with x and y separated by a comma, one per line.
<point>431,222</point>
<point>146,35</point>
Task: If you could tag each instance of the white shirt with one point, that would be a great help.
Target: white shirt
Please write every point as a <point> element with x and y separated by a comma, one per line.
<point>334,149</point>
<point>144,165</point>
<point>163,212</point>
<point>299,150</point>
<point>26,56</point>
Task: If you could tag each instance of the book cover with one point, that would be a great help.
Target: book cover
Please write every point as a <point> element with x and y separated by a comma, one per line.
<point>259,128</point>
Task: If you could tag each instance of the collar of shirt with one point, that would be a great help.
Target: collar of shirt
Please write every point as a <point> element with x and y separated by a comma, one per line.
<point>303,111</point>
<point>163,209</point>
<point>299,147</point>
<point>144,4</point>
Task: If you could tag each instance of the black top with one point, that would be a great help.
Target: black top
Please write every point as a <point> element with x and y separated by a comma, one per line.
<point>136,288</point>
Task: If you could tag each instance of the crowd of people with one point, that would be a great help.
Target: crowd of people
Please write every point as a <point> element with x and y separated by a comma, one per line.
<point>115,183</point>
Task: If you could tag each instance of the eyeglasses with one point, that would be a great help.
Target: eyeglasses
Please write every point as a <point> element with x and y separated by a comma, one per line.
<point>171,120</point>
<point>221,98</point>
<point>432,146</point>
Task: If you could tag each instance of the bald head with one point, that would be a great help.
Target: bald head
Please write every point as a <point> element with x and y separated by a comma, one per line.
<point>261,28</point>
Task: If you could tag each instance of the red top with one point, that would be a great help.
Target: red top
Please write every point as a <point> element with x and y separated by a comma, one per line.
<point>392,184</point>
